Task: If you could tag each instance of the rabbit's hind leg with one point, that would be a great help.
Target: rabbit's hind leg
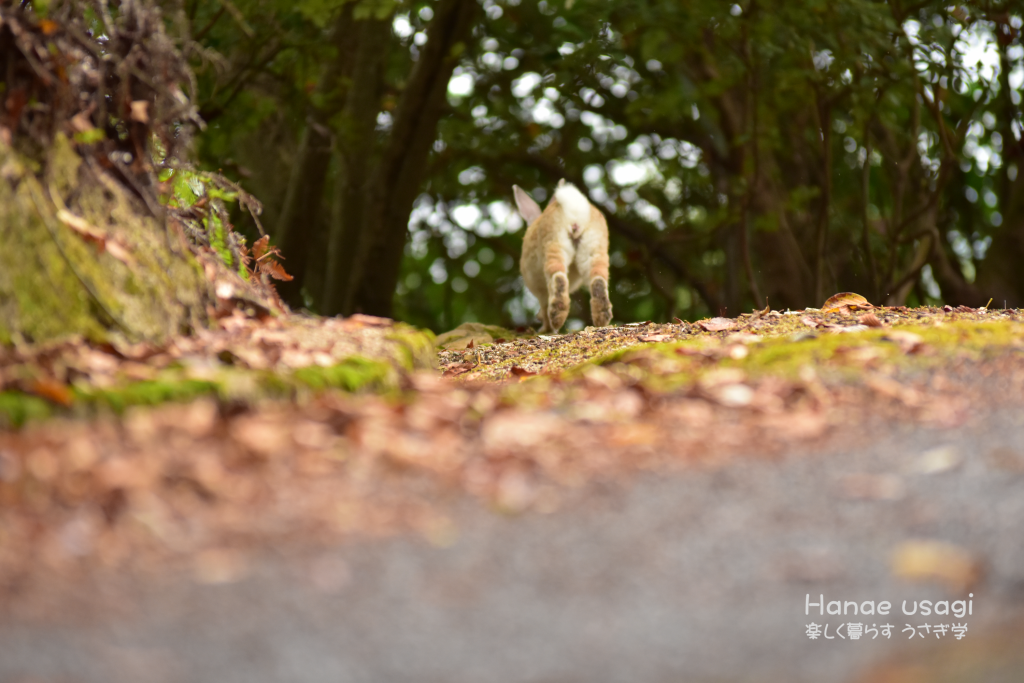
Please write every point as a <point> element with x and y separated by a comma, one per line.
<point>558,287</point>
<point>600,304</point>
<point>596,265</point>
<point>558,301</point>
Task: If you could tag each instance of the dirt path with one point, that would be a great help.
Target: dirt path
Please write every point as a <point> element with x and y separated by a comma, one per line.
<point>696,577</point>
<point>658,514</point>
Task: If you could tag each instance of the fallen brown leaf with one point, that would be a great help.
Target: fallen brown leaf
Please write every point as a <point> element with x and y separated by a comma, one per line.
<point>743,338</point>
<point>361,319</point>
<point>845,302</point>
<point>274,270</point>
<point>907,341</point>
<point>893,389</point>
<point>51,390</point>
<point>717,324</point>
<point>870,319</point>
<point>261,247</point>
<point>460,369</point>
<point>633,434</point>
<point>266,256</point>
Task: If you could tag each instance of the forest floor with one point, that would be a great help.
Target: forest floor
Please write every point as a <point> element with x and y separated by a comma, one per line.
<point>98,486</point>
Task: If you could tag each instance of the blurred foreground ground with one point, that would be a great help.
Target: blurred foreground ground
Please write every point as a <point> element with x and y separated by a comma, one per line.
<point>695,575</point>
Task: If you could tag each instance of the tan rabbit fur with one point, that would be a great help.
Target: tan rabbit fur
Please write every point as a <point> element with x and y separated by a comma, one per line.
<point>565,246</point>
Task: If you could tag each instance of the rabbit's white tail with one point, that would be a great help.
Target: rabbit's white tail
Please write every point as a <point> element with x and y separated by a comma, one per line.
<point>575,205</point>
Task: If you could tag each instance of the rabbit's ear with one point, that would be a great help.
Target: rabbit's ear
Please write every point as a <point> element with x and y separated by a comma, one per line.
<point>528,209</point>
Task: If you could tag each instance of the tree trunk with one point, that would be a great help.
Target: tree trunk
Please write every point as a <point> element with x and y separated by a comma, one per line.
<point>300,213</point>
<point>348,239</point>
<point>955,289</point>
<point>821,230</point>
<point>786,276</point>
<point>1000,275</point>
<point>399,176</point>
<point>373,194</point>
<point>55,283</point>
<point>303,204</point>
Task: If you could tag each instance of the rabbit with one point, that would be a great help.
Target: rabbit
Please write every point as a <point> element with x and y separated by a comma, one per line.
<point>565,245</point>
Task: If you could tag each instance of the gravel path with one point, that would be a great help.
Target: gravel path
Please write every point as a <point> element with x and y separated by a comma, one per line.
<point>696,576</point>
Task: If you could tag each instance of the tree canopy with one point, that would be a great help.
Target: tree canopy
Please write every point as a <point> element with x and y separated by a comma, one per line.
<point>765,152</point>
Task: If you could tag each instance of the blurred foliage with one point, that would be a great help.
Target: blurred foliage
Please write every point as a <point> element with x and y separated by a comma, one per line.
<point>765,150</point>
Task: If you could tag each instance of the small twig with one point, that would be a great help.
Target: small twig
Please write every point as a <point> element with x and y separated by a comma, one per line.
<point>915,268</point>
<point>246,200</point>
<point>108,20</point>
<point>210,24</point>
<point>239,18</point>
<point>26,51</point>
<point>83,40</point>
<point>154,207</point>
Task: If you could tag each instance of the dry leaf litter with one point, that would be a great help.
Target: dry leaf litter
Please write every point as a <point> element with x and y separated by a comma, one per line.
<point>201,484</point>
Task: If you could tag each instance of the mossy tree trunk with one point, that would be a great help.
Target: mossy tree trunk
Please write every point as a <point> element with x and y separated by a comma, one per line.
<point>79,256</point>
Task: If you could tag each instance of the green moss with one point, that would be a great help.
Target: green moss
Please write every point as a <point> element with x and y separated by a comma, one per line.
<point>478,333</point>
<point>218,242</point>
<point>54,283</point>
<point>17,408</point>
<point>786,357</point>
<point>416,348</point>
<point>943,342</point>
<point>145,393</point>
<point>842,357</point>
<point>352,374</point>
<point>187,188</point>
<point>534,393</point>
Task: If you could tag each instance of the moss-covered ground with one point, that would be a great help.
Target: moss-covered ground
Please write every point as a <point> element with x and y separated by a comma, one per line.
<point>781,344</point>
<point>276,430</point>
<point>244,362</point>
<point>663,357</point>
